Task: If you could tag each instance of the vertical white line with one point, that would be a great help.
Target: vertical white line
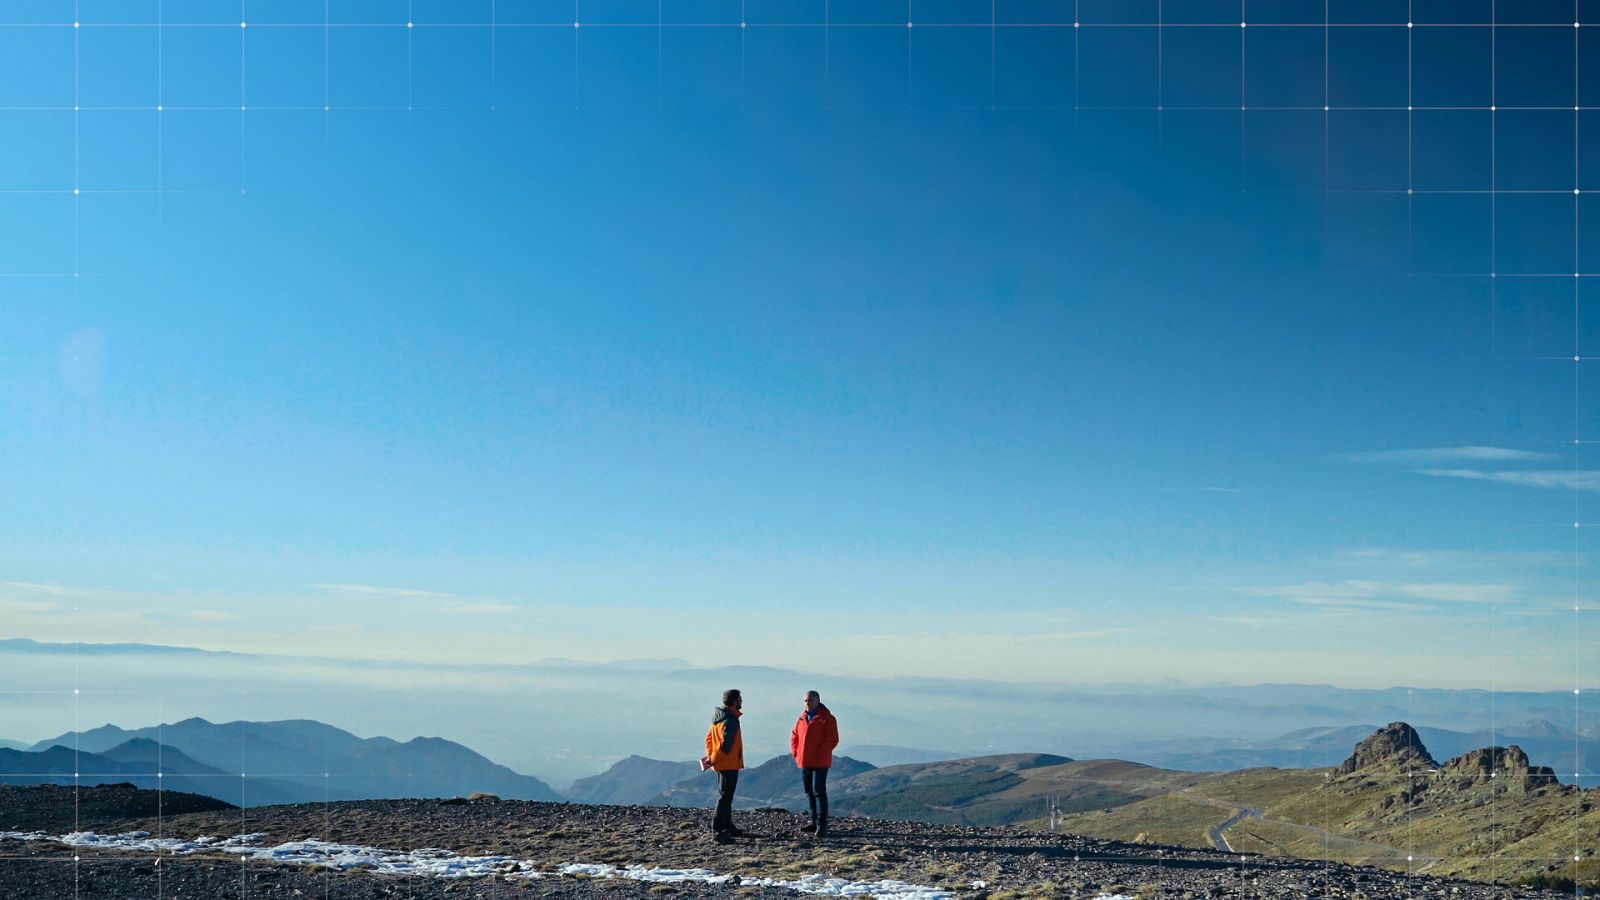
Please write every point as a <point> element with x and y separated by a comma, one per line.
<point>1160,76</point>
<point>161,199</point>
<point>1242,101</point>
<point>1411,177</point>
<point>77,178</point>
<point>243,20</point>
<point>1577,351</point>
<point>909,22</point>
<point>1494,610</point>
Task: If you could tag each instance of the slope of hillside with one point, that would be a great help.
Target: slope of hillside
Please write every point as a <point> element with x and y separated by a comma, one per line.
<point>1487,814</point>
<point>634,780</point>
<point>999,790</point>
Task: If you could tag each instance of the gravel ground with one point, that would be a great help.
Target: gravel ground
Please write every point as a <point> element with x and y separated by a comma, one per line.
<point>1009,862</point>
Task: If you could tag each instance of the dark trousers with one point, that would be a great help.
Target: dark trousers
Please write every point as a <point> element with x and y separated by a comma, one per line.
<point>726,782</point>
<point>816,785</point>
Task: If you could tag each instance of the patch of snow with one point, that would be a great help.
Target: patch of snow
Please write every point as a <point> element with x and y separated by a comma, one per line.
<point>436,863</point>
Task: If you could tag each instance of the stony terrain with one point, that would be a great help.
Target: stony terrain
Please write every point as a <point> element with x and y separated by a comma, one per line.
<point>1009,862</point>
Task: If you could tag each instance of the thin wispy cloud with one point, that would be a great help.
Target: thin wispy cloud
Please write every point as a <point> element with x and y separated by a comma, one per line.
<point>34,587</point>
<point>1587,480</point>
<point>1355,593</point>
<point>1423,455</point>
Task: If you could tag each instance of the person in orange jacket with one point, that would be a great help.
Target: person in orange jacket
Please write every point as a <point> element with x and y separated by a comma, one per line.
<point>811,744</point>
<point>725,754</point>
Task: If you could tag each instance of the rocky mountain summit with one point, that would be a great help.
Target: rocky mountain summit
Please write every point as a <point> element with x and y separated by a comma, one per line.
<point>1394,748</point>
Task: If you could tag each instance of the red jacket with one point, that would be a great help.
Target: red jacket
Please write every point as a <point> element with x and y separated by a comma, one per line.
<point>811,743</point>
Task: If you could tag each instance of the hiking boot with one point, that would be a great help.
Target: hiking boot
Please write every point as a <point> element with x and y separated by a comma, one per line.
<point>737,832</point>
<point>809,827</point>
<point>723,837</point>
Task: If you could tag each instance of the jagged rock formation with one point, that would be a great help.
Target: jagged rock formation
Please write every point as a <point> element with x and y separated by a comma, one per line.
<point>1507,764</point>
<point>1396,747</point>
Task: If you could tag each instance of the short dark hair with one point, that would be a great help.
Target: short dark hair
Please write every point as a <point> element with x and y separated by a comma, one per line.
<point>814,694</point>
<point>732,696</point>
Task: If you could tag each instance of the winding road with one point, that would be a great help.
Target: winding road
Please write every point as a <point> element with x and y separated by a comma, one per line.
<point>1219,839</point>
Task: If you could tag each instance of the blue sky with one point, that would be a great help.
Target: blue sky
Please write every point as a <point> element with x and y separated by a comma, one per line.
<point>861,332</point>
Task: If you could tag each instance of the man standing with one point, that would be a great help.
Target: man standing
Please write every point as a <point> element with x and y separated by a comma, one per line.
<point>725,754</point>
<point>811,744</point>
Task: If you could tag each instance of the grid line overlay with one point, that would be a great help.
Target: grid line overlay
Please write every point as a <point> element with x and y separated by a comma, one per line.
<point>1160,28</point>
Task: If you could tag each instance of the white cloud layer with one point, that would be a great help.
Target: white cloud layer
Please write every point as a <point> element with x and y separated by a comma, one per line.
<point>1587,480</point>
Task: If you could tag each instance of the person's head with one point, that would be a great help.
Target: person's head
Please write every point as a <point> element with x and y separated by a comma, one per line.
<point>732,699</point>
<point>813,700</point>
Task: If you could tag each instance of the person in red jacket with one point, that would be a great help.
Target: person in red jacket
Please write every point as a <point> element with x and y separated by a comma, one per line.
<point>811,744</point>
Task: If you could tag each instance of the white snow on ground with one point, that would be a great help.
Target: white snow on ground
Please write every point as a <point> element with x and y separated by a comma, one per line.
<point>435,863</point>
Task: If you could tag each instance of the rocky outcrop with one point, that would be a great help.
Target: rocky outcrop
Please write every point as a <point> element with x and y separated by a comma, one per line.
<point>1395,747</point>
<point>1507,764</point>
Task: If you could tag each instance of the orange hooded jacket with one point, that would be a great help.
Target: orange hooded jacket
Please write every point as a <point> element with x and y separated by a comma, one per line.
<point>725,741</point>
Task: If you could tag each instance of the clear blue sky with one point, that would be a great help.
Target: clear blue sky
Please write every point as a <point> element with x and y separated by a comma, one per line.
<point>858,346</point>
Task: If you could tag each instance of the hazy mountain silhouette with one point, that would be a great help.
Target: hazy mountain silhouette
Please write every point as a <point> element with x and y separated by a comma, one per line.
<point>631,781</point>
<point>322,761</point>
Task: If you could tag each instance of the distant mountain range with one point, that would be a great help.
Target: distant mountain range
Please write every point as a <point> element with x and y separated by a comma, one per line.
<point>631,782</point>
<point>1082,721</point>
<point>261,763</point>
<point>1564,750</point>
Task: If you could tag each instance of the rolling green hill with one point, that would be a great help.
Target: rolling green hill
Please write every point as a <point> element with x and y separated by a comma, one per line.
<point>1486,815</point>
